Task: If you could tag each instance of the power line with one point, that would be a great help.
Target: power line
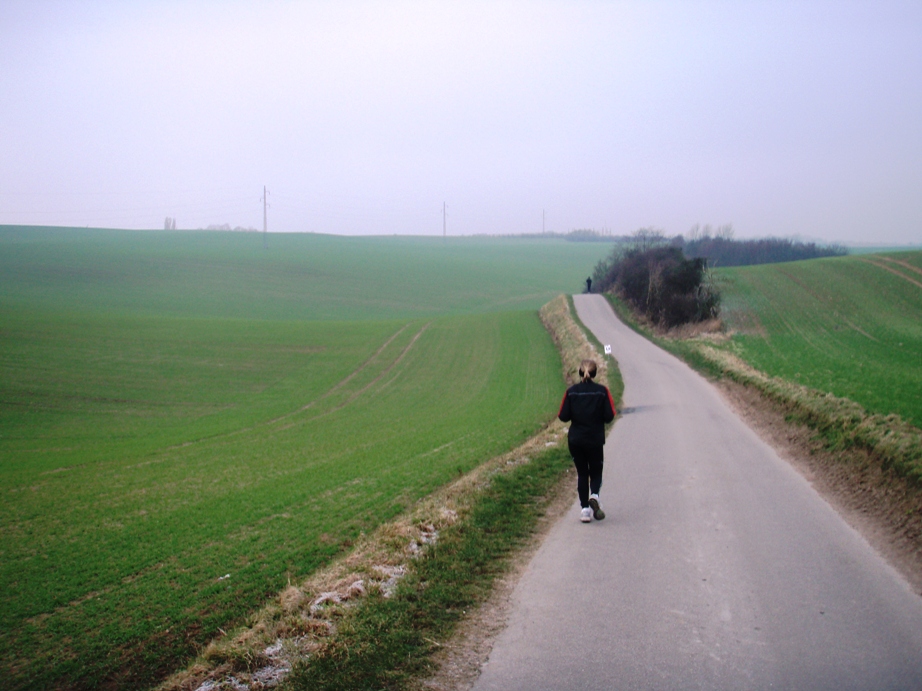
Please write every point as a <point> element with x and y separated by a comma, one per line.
<point>265,201</point>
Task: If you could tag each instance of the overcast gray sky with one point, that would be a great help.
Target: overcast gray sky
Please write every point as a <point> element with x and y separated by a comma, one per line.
<point>782,118</point>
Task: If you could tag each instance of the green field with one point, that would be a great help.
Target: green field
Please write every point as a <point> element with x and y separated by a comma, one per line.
<point>851,326</point>
<point>300,276</point>
<point>188,420</point>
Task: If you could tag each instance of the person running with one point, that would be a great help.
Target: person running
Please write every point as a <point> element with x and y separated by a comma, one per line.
<point>588,406</point>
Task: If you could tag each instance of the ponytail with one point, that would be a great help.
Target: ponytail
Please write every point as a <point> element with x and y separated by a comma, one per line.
<point>587,370</point>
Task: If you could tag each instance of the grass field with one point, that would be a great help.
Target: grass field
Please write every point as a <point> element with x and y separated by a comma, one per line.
<point>300,276</point>
<point>187,420</point>
<point>851,326</point>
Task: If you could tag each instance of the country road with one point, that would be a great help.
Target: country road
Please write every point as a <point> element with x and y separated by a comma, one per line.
<point>718,566</point>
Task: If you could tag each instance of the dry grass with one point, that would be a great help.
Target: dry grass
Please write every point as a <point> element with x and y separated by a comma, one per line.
<point>709,330</point>
<point>571,342</point>
<point>893,442</point>
<point>882,506</point>
<point>303,617</point>
<point>870,466</point>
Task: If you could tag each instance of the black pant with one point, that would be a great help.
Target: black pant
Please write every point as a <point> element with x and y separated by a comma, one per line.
<point>588,461</point>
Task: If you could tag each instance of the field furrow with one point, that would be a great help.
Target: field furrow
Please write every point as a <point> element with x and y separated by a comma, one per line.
<point>168,463</point>
<point>851,326</point>
<point>894,271</point>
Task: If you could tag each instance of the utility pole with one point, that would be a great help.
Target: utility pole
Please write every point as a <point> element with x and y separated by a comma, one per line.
<point>265,219</point>
<point>444,220</point>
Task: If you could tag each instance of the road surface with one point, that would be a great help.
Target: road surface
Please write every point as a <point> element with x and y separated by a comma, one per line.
<point>717,567</point>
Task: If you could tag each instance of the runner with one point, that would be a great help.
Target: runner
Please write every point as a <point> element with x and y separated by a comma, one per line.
<point>588,406</point>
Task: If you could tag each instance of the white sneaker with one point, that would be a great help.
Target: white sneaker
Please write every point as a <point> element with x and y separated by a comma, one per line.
<point>585,515</point>
<point>597,512</point>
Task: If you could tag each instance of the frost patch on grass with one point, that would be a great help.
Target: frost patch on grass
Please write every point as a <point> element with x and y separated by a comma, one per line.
<point>323,599</point>
<point>392,574</point>
<point>428,535</point>
<point>230,683</point>
<point>260,655</point>
<point>272,674</point>
<point>304,617</point>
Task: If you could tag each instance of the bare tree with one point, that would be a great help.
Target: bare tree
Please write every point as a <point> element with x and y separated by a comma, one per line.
<point>646,238</point>
<point>725,231</point>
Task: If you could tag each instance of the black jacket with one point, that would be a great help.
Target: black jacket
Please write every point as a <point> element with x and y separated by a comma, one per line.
<point>587,406</point>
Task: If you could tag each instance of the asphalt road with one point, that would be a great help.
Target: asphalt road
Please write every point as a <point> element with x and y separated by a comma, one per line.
<point>717,566</point>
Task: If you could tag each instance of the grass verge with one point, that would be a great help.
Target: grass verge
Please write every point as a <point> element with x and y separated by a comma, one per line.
<point>841,423</point>
<point>389,640</point>
<point>373,619</point>
<point>612,374</point>
<point>849,326</point>
<point>872,463</point>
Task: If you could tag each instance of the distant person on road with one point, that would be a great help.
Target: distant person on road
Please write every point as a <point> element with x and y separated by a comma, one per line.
<point>587,406</point>
<point>589,284</point>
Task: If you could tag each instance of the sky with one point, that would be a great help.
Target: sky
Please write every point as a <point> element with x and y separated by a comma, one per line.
<point>788,119</point>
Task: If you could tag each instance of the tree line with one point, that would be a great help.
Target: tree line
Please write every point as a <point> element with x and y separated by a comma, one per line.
<point>661,284</point>
<point>668,280</point>
<point>720,249</point>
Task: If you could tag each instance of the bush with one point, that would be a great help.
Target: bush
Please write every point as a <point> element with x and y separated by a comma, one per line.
<point>660,283</point>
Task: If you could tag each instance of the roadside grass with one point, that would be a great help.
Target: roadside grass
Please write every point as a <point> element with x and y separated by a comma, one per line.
<point>841,325</point>
<point>850,326</point>
<point>373,618</point>
<point>184,427</point>
<point>389,640</point>
<point>611,376</point>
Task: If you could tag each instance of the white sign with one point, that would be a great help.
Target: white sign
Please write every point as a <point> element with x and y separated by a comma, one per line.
<point>608,350</point>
